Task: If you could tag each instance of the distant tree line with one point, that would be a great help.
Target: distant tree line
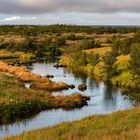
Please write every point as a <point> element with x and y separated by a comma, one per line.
<point>48,47</point>
<point>33,30</point>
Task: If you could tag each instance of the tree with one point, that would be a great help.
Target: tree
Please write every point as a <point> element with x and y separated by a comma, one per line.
<point>89,44</point>
<point>135,64</point>
<point>28,45</point>
<point>61,41</point>
<point>116,47</point>
<point>110,68</point>
<point>121,47</point>
<point>125,46</point>
<point>93,59</point>
<point>71,37</point>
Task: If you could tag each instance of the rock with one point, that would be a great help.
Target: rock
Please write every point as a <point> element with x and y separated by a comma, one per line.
<point>49,76</point>
<point>71,86</point>
<point>60,66</point>
<point>56,65</point>
<point>82,87</point>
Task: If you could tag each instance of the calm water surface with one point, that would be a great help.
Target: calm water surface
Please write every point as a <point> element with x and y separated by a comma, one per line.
<point>104,100</point>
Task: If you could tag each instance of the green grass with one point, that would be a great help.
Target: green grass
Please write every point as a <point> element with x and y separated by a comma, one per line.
<point>11,55</point>
<point>124,125</point>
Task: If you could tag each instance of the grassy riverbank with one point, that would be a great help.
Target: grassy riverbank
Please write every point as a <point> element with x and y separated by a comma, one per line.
<point>123,125</point>
<point>38,82</point>
<point>17,102</point>
<point>117,64</point>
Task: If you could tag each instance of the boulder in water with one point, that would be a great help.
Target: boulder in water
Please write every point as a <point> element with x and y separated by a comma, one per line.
<point>72,86</point>
<point>60,66</point>
<point>82,87</point>
<point>50,76</point>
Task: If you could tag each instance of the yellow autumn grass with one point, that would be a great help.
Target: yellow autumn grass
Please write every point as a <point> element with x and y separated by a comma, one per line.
<point>123,61</point>
<point>100,51</point>
<point>106,45</point>
<point>122,125</point>
<point>7,54</point>
<point>21,55</point>
<point>26,76</point>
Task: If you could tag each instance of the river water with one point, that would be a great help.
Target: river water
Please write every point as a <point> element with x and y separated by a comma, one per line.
<point>104,100</point>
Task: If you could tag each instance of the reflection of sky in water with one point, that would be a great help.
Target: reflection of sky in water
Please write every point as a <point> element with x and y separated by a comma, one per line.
<point>104,100</point>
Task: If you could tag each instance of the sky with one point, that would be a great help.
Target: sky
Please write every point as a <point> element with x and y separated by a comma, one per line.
<point>80,12</point>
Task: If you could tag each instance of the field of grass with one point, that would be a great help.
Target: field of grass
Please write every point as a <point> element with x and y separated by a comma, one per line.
<point>100,51</point>
<point>123,62</point>
<point>11,55</point>
<point>123,125</point>
<point>102,37</point>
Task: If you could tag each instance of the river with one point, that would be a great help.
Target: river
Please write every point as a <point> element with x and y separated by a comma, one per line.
<point>104,100</point>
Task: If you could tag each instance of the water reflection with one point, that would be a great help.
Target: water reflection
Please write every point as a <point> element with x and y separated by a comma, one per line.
<point>110,96</point>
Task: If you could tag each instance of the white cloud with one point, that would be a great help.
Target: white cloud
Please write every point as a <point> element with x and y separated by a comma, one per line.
<point>12,18</point>
<point>16,18</point>
<point>77,18</point>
